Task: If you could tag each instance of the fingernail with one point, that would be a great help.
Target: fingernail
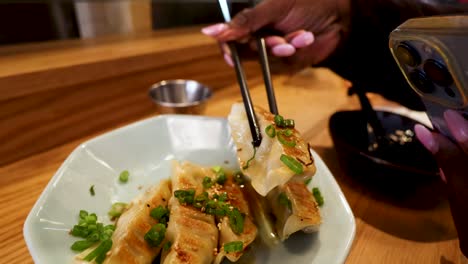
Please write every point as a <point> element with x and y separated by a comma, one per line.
<point>214,29</point>
<point>457,124</point>
<point>283,50</point>
<point>442,175</point>
<point>303,40</point>
<point>426,138</point>
<point>228,59</point>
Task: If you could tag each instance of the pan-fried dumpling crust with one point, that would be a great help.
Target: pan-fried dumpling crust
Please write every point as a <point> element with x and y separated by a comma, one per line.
<point>192,233</point>
<point>303,214</point>
<point>237,199</point>
<point>266,170</point>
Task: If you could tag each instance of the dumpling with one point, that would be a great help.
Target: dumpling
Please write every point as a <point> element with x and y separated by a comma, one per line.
<point>193,234</point>
<point>295,209</point>
<point>237,199</point>
<point>264,165</point>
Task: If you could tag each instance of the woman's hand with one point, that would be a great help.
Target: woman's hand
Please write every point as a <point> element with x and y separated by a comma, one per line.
<point>452,158</point>
<point>311,29</point>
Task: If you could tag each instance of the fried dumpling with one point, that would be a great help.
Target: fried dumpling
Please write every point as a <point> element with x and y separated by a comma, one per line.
<point>263,166</point>
<point>193,234</point>
<point>295,209</point>
<point>238,200</point>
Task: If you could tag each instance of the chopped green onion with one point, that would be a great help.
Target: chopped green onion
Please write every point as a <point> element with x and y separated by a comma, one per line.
<point>221,178</point>
<point>123,177</point>
<point>234,246</point>
<point>318,196</point>
<point>270,131</point>
<point>91,219</point>
<point>100,251</point>
<point>200,200</point>
<point>160,213</point>
<point>207,183</point>
<point>285,142</point>
<point>81,245</point>
<point>288,132</point>
<point>167,245</point>
<point>289,123</point>
<point>239,178</point>
<point>185,196</point>
<point>292,164</point>
<point>155,235</point>
<point>236,221</point>
<point>248,162</point>
<point>91,190</point>
<point>217,169</point>
<point>284,200</point>
<point>93,237</point>
<point>83,214</point>
<point>279,120</point>
<point>116,210</point>
<point>306,182</point>
<point>223,197</point>
<point>79,231</point>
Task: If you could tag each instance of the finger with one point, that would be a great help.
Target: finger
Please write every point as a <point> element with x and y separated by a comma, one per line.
<point>300,39</point>
<point>283,50</point>
<point>426,138</point>
<point>214,30</point>
<point>458,127</point>
<point>274,40</point>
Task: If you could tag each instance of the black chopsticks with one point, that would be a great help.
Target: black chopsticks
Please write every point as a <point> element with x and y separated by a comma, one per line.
<point>249,109</point>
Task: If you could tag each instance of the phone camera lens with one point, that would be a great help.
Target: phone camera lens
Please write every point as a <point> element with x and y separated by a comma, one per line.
<point>419,79</point>
<point>408,55</point>
<point>449,92</point>
<point>437,72</point>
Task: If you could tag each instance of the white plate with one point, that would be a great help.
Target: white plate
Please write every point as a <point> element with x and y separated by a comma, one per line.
<point>145,150</point>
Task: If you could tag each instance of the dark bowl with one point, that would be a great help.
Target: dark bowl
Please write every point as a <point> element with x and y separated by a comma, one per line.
<point>398,167</point>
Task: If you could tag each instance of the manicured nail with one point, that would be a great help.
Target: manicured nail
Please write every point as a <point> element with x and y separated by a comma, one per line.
<point>426,138</point>
<point>303,40</point>
<point>442,175</point>
<point>458,125</point>
<point>228,59</point>
<point>214,29</point>
<point>283,50</point>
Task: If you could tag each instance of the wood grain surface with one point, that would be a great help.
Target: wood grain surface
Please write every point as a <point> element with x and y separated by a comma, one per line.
<point>387,232</point>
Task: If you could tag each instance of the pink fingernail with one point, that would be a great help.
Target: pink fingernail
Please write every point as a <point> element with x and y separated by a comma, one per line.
<point>228,59</point>
<point>303,40</point>
<point>214,29</point>
<point>457,124</point>
<point>283,50</point>
<point>442,175</point>
<point>426,138</point>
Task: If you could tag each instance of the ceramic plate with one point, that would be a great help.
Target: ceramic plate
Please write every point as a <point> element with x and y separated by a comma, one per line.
<point>146,149</point>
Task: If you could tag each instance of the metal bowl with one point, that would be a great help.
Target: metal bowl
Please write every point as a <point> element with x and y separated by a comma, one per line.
<point>180,96</point>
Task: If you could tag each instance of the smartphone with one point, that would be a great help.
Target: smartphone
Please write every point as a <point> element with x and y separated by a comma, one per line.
<point>432,54</point>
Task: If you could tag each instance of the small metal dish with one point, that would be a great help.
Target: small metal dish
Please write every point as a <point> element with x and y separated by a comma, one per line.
<point>180,96</point>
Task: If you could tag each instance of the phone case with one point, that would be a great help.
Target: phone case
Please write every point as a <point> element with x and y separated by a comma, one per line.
<point>442,39</point>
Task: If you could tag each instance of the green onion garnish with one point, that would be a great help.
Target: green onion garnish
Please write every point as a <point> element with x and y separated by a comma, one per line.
<point>288,132</point>
<point>292,164</point>
<point>217,169</point>
<point>155,235</point>
<point>270,131</point>
<point>100,252</point>
<point>167,245</point>
<point>247,164</point>
<point>200,200</point>
<point>285,142</point>
<point>318,196</point>
<point>185,196</point>
<point>207,183</point>
<point>116,210</point>
<point>236,221</point>
<point>223,197</point>
<point>289,123</point>
<point>284,200</point>
<point>234,246</point>
<point>161,214</point>
<point>306,182</point>
<point>123,177</point>
<point>279,121</point>
<point>83,214</point>
<point>221,179</point>
<point>91,190</point>
<point>81,245</point>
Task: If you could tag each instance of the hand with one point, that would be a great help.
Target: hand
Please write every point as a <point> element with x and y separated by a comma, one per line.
<point>452,158</point>
<point>312,29</point>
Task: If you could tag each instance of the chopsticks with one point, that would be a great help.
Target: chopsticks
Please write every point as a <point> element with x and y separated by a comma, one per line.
<point>261,46</point>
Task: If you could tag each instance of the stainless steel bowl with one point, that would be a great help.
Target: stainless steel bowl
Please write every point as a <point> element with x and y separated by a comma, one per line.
<point>180,96</point>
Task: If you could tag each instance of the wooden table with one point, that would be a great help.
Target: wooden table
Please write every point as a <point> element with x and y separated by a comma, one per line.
<point>40,126</point>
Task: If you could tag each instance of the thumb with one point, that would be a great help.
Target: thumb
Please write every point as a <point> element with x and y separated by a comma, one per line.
<point>252,19</point>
